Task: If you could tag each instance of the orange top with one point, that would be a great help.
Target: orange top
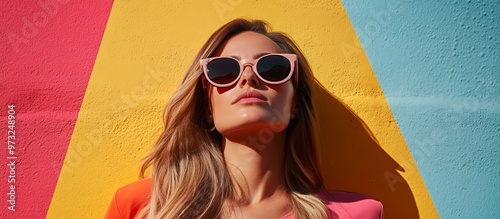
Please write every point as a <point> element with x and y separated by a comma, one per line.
<point>130,199</point>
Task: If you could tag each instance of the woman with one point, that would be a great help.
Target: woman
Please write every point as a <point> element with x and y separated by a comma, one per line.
<point>240,139</point>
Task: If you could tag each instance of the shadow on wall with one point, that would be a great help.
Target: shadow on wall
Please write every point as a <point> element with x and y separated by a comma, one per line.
<point>352,159</point>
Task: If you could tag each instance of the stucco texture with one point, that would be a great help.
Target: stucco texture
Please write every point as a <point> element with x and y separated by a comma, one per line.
<point>144,52</point>
<point>408,102</point>
<point>438,65</point>
<point>47,52</point>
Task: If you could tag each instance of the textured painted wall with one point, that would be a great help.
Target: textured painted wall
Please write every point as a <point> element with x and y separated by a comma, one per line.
<point>47,51</point>
<point>143,54</point>
<point>438,65</point>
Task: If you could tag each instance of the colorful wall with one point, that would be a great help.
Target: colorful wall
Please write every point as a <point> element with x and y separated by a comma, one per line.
<point>408,105</point>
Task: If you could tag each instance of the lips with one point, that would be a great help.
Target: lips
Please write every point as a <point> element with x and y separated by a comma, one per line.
<point>250,96</point>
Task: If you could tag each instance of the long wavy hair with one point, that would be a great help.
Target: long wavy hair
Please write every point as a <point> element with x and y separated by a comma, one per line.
<point>190,177</point>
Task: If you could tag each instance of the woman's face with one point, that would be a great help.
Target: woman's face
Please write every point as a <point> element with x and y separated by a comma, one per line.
<point>268,109</point>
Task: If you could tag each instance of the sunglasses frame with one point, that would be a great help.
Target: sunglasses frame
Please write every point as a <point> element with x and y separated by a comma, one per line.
<point>292,58</point>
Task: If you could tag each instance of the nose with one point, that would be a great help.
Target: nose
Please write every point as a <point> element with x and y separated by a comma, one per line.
<point>248,76</point>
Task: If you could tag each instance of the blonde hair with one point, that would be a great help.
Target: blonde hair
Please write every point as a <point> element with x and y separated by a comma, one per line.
<point>190,178</point>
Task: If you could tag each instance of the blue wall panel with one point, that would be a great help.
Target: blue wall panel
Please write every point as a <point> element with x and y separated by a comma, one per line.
<point>438,65</point>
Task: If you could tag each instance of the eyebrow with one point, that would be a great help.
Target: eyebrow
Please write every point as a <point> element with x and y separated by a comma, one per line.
<point>260,54</point>
<point>254,56</point>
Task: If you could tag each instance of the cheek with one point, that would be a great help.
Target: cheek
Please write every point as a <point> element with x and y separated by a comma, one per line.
<point>282,104</point>
<point>281,109</point>
<point>217,96</point>
<point>219,101</point>
<point>223,115</point>
<point>284,98</point>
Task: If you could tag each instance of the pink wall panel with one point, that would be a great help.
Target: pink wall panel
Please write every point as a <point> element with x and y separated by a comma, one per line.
<point>48,49</point>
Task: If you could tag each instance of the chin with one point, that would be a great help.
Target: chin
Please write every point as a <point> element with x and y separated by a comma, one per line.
<point>245,127</point>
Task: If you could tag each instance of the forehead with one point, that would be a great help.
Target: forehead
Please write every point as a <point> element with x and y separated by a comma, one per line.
<point>248,43</point>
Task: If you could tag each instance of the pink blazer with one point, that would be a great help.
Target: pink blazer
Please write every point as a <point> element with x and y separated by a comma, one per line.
<point>349,205</point>
<point>130,199</point>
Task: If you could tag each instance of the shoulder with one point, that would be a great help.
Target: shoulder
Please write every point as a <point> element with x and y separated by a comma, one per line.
<point>130,199</point>
<point>351,205</point>
<point>138,190</point>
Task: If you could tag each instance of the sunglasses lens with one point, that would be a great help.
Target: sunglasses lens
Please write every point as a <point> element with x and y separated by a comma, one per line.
<point>223,70</point>
<point>274,68</point>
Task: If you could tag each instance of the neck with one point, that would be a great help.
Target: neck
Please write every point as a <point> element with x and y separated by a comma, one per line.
<point>256,167</point>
